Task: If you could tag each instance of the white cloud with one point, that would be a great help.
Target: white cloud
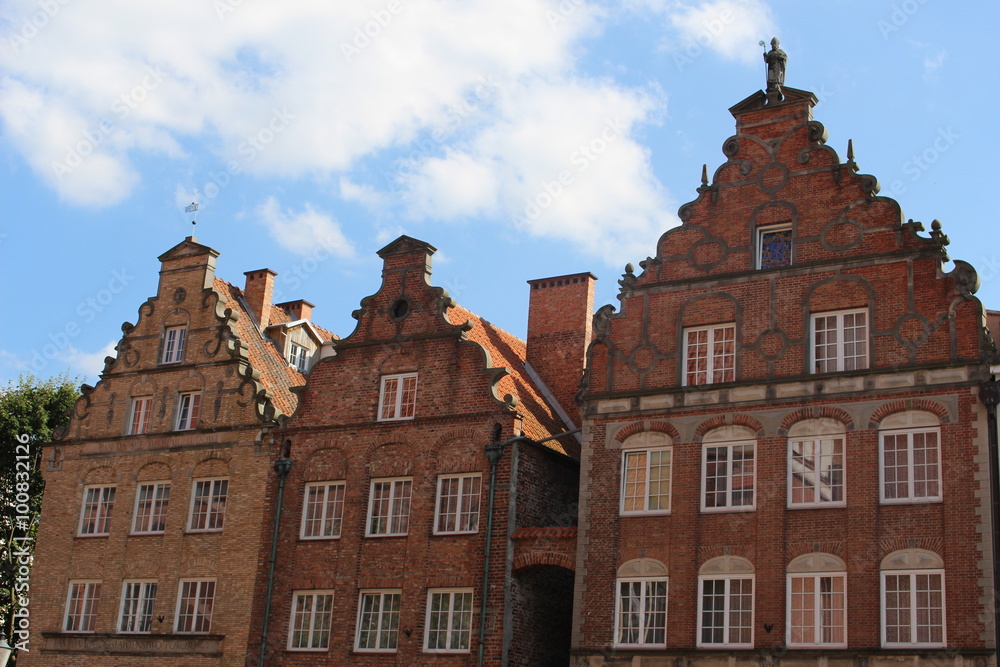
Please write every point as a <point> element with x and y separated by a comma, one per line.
<point>732,28</point>
<point>303,232</point>
<point>363,194</point>
<point>88,364</point>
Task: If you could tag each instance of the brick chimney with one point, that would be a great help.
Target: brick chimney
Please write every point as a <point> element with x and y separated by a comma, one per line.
<point>560,316</point>
<point>259,292</point>
<point>297,310</point>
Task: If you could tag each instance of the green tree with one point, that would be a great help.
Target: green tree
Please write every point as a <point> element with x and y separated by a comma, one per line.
<point>30,413</point>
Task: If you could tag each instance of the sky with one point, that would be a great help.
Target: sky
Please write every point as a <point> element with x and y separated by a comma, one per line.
<point>313,133</point>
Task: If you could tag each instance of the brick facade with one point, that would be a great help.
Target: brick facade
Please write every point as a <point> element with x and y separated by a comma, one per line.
<point>711,381</point>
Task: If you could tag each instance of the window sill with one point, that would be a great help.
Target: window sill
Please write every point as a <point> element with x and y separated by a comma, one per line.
<point>317,538</point>
<point>148,533</point>
<point>647,513</point>
<point>208,531</point>
<point>911,501</point>
<point>727,510</point>
<point>88,536</point>
<point>817,506</point>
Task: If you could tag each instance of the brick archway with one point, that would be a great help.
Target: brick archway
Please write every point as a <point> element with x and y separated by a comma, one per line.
<point>544,546</point>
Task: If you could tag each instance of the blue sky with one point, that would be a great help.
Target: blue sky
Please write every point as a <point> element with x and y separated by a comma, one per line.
<point>314,133</point>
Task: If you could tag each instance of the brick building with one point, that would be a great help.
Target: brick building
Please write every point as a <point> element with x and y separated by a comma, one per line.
<point>407,431</point>
<point>785,456</point>
<point>154,495</point>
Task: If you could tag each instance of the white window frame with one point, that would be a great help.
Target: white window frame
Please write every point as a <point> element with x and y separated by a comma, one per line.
<point>451,616</point>
<point>815,476</point>
<point>141,407</point>
<point>104,505</point>
<point>298,356</point>
<point>726,628</point>
<point>397,411</point>
<point>198,614</point>
<point>211,514</point>
<point>645,481</point>
<point>759,243</point>
<point>839,359</point>
<point>174,342</point>
<point>330,507</point>
<point>910,498</point>
<point>395,523</point>
<point>817,610</point>
<point>141,610</point>
<point>188,410</point>
<point>644,598</point>
<point>314,620</point>
<point>388,636</point>
<point>728,506</point>
<point>159,502</point>
<point>466,520</point>
<point>711,358</point>
<point>913,609</point>
<point>91,603</point>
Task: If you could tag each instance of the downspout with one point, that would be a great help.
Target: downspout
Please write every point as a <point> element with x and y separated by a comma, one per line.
<point>989,394</point>
<point>281,468</point>
<point>494,451</point>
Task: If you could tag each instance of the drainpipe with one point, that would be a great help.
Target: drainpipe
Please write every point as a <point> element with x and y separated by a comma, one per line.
<point>989,394</point>
<point>494,451</point>
<point>281,468</point>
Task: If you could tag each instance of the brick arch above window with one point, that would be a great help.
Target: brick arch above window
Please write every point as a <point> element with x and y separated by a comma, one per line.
<point>390,458</point>
<point>839,293</point>
<point>725,428</point>
<point>193,381</point>
<point>213,466</point>
<point>643,567</point>
<point>817,412</point>
<point>157,469</point>
<point>635,428</point>
<point>817,562</point>
<point>912,559</point>
<point>707,309</point>
<point>815,426</point>
<point>727,564</point>
<point>909,405</point>
<point>325,464</point>
<point>176,317</point>
<point>142,388</point>
<point>101,475</point>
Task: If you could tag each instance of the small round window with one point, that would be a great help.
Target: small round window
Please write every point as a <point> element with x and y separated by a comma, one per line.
<point>400,309</point>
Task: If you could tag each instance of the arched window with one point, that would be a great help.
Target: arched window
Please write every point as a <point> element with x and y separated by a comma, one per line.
<point>729,472</point>
<point>816,463</point>
<point>910,458</point>
<point>641,604</point>
<point>646,473</point>
<point>817,602</point>
<point>725,603</point>
<point>913,599</point>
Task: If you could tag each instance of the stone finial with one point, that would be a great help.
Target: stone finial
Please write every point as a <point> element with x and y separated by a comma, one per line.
<point>776,60</point>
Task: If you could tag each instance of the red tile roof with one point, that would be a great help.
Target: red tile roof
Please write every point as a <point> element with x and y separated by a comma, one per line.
<point>506,349</point>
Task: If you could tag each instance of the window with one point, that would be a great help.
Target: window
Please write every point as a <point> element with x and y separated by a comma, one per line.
<point>208,504</point>
<point>817,601</point>
<point>378,620</point>
<point>173,344</point>
<point>188,407</point>
<point>389,507</point>
<point>449,620</point>
<point>816,463</point>
<point>324,510</point>
<point>136,613</point>
<point>195,600</point>
<point>458,504</point>
<point>138,421</point>
<point>913,599</point>
<point>641,604</point>
<point>725,603</point>
<point>298,356</point>
<point>728,469</point>
<point>774,246</point>
<point>646,474</point>
<point>710,355</point>
<point>911,458</point>
<point>82,605</point>
<point>312,614</point>
<point>151,500</point>
<point>98,501</point>
<point>840,341</point>
<point>398,397</point>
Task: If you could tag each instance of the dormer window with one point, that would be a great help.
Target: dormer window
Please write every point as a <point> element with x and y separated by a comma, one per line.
<point>173,345</point>
<point>774,246</point>
<point>298,357</point>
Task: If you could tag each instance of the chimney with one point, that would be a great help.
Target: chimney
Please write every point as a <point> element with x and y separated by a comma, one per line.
<point>258,293</point>
<point>560,316</point>
<point>297,310</point>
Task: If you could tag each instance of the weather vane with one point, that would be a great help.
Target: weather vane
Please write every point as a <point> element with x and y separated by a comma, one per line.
<point>193,208</point>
